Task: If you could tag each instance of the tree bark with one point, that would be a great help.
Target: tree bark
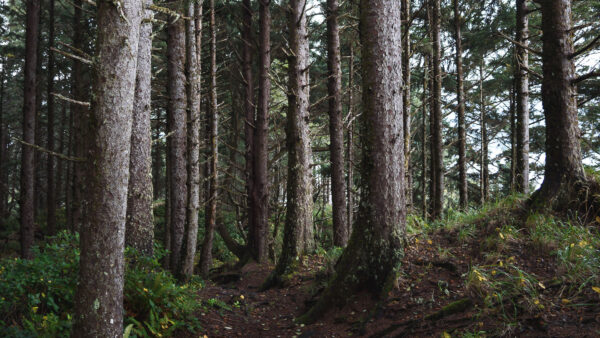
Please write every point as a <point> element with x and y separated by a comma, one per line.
<point>51,192</point>
<point>194,93</point>
<point>336,126</point>
<point>139,229</point>
<point>3,152</point>
<point>372,259</point>
<point>298,229</point>
<point>564,168</point>
<point>260,193</point>
<point>406,100</point>
<point>213,118</point>
<point>436,118</point>
<point>350,140</point>
<point>424,101</point>
<point>29,108</point>
<point>178,139</point>
<point>99,297</point>
<point>484,174</point>
<point>522,88</point>
<point>460,106</point>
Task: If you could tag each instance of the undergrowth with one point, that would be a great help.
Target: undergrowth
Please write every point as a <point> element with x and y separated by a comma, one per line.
<point>36,296</point>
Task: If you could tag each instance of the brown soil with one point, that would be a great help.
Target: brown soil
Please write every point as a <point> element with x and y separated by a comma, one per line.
<point>432,278</point>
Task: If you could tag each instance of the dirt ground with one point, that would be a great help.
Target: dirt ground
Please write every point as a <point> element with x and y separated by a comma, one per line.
<point>435,272</point>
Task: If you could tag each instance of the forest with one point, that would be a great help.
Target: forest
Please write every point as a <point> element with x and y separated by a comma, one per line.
<point>299,168</point>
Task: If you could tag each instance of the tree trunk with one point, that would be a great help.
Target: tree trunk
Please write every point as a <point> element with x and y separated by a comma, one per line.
<point>139,230</point>
<point>298,229</point>
<point>193,71</point>
<point>460,96</point>
<point>213,119</point>
<point>522,88</point>
<point>424,101</point>
<point>372,259</point>
<point>485,182</point>
<point>406,100</point>
<point>336,125</point>
<point>177,123</point>
<point>249,108</point>
<point>99,297</point>
<point>51,192</point>
<point>29,107</point>
<point>3,153</point>
<point>564,168</point>
<point>350,140</point>
<point>513,140</point>
<point>436,118</point>
<point>260,193</point>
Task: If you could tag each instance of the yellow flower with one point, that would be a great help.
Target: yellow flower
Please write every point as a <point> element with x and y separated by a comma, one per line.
<point>241,296</point>
<point>34,309</point>
<point>493,272</point>
<point>596,289</point>
<point>145,290</point>
<point>45,318</point>
<point>43,295</point>
<point>583,243</point>
<point>541,285</point>
<point>501,264</point>
<point>429,242</point>
<point>417,240</point>
<point>501,235</point>
<point>536,302</point>
<point>565,301</point>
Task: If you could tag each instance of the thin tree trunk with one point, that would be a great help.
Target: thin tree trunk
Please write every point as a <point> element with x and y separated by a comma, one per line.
<point>424,101</point>
<point>298,230</point>
<point>371,260</point>
<point>522,89</point>
<point>260,192</point>
<point>213,175</point>
<point>177,123</point>
<point>564,168</point>
<point>460,94</point>
<point>406,101</point>
<point>513,140</point>
<point>99,297</point>
<point>485,182</point>
<point>3,152</point>
<point>193,71</point>
<point>51,192</point>
<point>436,135</point>
<point>336,125</point>
<point>350,140</point>
<point>139,230</point>
<point>29,106</point>
<point>61,178</point>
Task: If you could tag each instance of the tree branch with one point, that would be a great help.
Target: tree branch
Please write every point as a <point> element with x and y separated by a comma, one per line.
<point>536,52</point>
<point>587,76</point>
<point>50,152</point>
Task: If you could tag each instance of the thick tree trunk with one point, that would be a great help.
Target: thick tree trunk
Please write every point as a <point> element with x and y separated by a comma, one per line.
<point>436,118</point>
<point>51,192</point>
<point>213,118</point>
<point>29,107</point>
<point>178,139</point>
<point>424,140</point>
<point>460,97</point>
<point>139,230</point>
<point>350,142</point>
<point>406,101</point>
<point>298,230</point>
<point>260,193</point>
<point>193,71</point>
<point>336,125</point>
<point>372,259</point>
<point>564,169</point>
<point>522,88</point>
<point>99,297</point>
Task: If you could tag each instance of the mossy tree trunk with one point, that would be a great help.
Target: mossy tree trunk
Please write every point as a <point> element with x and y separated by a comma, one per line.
<point>372,257</point>
<point>99,296</point>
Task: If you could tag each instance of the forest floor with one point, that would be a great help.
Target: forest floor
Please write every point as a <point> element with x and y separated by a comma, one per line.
<point>487,277</point>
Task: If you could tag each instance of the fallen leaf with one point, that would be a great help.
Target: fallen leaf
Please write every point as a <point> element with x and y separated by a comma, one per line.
<point>595,288</point>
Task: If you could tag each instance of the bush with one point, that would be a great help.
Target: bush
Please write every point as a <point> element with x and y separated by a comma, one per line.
<point>36,296</point>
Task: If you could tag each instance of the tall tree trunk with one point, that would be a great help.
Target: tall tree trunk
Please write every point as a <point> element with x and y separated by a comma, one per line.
<point>260,193</point>
<point>522,88</point>
<point>460,94</point>
<point>213,175</point>
<point>139,230</point>
<point>436,135</point>
<point>177,123</point>
<point>485,181</point>
<point>564,168</point>
<point>406,101</point>
<point>61,177</point>
<point>424,107</point>
<point>372,259</point>
<point>513,140</point>
<point>298,230</point>
<point>29,106</point>
<point>350,140</point>
<point>3,152</point>
<point>51,192</point>
<point>99,297</point>
<point>250,120</point>
<point>193,71</point>
<point>336,125</point>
